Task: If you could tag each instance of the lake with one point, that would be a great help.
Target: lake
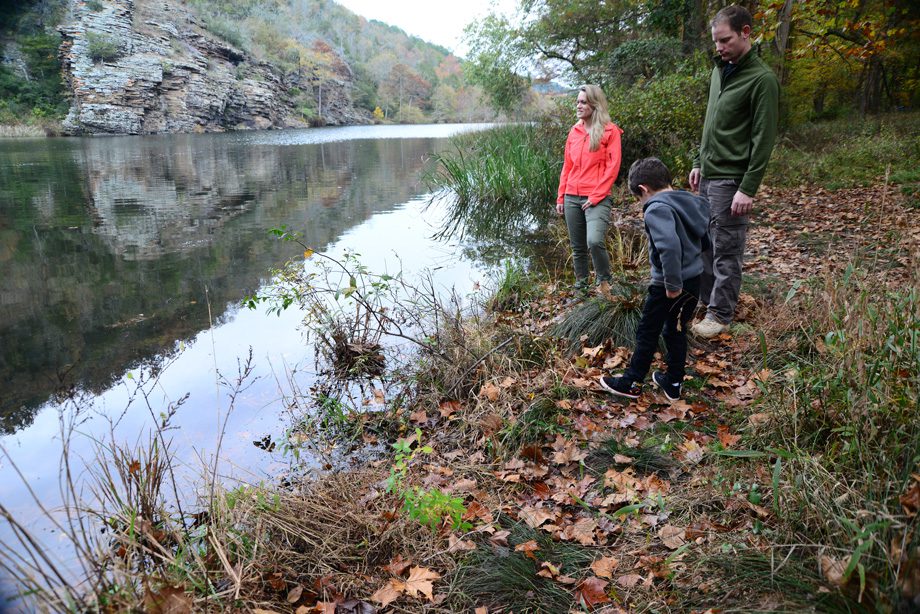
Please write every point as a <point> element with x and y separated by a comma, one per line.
<point>125,260</point>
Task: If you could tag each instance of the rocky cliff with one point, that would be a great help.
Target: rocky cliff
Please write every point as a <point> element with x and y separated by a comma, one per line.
<point>148,66</point>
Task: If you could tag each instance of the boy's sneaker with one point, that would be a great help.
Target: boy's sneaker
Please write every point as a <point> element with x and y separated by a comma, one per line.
<point>708,327</point>
<point>620,386</point>
<point>670,389</point>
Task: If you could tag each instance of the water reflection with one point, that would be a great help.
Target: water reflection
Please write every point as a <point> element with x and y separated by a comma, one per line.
<point>111,249</point>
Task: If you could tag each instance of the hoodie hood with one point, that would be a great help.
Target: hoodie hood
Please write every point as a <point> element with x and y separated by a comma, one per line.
<point>692,210</point>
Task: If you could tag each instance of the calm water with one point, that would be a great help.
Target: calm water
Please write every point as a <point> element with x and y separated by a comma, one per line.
<point>122,256</point>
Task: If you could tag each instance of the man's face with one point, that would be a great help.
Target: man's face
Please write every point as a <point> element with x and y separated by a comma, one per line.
<point>731,45</point>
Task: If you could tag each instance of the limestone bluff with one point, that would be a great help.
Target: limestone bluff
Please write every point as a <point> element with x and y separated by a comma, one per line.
<point>163,72</point>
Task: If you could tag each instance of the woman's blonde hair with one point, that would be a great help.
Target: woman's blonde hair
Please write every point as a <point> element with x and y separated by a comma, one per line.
<point>600,117</point>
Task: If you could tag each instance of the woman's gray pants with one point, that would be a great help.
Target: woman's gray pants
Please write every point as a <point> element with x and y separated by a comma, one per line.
<point>588,235</point>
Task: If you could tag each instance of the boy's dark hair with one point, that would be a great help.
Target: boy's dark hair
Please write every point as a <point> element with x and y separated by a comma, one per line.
<point>735,16</point>
<point>650,172</point>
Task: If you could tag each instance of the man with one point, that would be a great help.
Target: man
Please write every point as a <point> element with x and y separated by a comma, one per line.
<point>738,137</point>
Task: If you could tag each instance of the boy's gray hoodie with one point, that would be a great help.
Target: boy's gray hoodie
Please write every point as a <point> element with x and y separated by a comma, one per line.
<point>676,223</point>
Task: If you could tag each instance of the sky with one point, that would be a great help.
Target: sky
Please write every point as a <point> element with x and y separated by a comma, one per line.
<point>436,21</point>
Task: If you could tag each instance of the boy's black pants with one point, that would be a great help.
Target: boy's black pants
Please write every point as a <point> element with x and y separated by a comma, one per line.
<point>671,315</point>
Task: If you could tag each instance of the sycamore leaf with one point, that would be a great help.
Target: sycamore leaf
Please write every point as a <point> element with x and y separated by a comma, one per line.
<point>528,548</point>
<point>389,592</point>
<point>725,437</point>
<point>447,408</point>
<point>535,516</point>
<point>582,532</point>
<point>671,536</point>
<point>421,581</point>
<point>398,565</point>
<point>592,591</point>
<point>490,391</point>
<point>629,580</point>
<point>603,568</point>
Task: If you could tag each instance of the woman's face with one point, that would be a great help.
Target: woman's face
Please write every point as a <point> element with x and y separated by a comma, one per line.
<point>583,110</point>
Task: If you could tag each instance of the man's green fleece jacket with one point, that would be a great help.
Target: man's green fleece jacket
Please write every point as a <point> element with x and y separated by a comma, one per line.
<point>741,124</point>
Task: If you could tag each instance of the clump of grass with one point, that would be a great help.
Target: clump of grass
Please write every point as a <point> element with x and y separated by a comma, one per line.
<point>514,290</point>
<point>498,183</point>
<point>598,319</point>
<point>839,153</point>
<point>749,580</point>
<point>646,459</point>
<point>537,421</point>
<point>507,580</point>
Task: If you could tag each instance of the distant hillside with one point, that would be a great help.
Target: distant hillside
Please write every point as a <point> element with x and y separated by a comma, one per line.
<point>148,66</point>
<point>407,77</point>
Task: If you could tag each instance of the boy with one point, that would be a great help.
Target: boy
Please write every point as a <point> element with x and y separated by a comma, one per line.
<point>676,223</point>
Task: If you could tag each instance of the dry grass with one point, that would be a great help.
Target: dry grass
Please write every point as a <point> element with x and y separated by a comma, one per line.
<point>22,131</point>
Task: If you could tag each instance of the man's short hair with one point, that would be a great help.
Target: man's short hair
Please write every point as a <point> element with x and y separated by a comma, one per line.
<point>650,172</point>
<point>735,16</point>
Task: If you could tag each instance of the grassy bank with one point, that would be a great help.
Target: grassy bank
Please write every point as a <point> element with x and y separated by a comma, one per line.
<point>785,480</point>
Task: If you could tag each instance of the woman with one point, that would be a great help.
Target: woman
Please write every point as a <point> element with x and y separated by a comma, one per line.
<point>592,162</point>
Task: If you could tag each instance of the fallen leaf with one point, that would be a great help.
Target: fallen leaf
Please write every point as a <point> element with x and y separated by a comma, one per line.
<point>629,580</point>
<point>758,419</point>
<point>725,437</point>
<point>448,408</point>
<point>528,548</point>
<point>582,532</point>
<point>671,536</point>
<point>421,581</point>
<point>500,538</point>
<point>603,568</point>
<point>398,565</point>
<point>389,592</point>
<point>910,500</point>
<point>168,600</point>
<point>592,591</point>
<point>455,544</point>
<point>693,453</point>
<point>294,594</point>
<point>833,569</point>
<point>490,391</point>
<point>535,516</point>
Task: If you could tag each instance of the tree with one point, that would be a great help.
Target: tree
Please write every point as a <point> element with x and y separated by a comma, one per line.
<point>403,86</point>
<point>498,62</point>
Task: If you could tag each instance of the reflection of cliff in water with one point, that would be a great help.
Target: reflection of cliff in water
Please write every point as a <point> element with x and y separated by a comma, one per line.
<point>107,245</point>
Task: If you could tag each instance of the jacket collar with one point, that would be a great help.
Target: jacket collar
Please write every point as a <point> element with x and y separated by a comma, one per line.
<point>745,59</point>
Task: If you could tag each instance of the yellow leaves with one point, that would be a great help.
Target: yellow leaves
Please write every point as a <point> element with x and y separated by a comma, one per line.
<point>308,253</point>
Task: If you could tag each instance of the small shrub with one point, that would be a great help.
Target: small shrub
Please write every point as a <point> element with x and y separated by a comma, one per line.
<point>102,47</point>
<point>599,319</point>
<point>94,5</point>
<point>514,290</point>
<point>663,118</point>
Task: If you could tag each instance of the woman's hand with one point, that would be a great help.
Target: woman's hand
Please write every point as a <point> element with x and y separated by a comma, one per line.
<point>588,204</point>
<point>560,208</point>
